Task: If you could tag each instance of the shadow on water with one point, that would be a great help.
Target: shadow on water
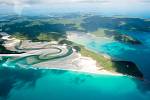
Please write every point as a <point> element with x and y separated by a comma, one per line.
<point>58,72</point>
<point>131,69</point>
<point>79,79</point>
<point>17,78</point>
<point>143,85</point>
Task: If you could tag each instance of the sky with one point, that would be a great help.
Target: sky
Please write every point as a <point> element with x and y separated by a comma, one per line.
<point>18,6</point>
<point>31,2</point>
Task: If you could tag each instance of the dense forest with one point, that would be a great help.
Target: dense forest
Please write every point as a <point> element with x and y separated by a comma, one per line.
<point>56,27</point>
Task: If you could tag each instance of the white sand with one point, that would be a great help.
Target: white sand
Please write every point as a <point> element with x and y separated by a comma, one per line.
<point>74,62</point>
<point>78,63</point>
<point>89,65</point>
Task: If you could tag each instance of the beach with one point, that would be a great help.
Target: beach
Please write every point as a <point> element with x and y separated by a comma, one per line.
<point>52,56</point>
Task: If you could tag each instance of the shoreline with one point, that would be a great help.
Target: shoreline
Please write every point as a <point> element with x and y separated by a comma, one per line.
<point>82,64</point>
<point>103,72</point>
<point>110,65</point>
<point>78,63</point>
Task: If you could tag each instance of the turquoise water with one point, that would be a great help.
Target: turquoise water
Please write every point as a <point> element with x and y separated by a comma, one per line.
<point>37,84</point>
<point>67,85</point>
<point>30,84</point>
<point>139,54</point>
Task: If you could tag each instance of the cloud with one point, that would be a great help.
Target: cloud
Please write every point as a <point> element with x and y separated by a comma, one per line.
<point>19,5</point>
<point>11,2</point>
<point>146,1</point>
<point>30,2</point>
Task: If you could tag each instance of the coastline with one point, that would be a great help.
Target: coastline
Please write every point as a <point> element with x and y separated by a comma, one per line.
<point>109,64</point>
<point>84,61</point>
<point>102,72</point>
<point>80,64</point>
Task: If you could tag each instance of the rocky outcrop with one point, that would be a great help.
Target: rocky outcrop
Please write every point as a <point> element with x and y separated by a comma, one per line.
<point>128,68</point>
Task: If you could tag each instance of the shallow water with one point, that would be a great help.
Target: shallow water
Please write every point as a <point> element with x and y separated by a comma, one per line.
<point>31,84</point>
<point>139,54</point>
<point>67,85</point>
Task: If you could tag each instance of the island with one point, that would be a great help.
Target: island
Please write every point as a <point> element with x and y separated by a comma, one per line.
<point>45,43</point>
<point>62,54</point>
